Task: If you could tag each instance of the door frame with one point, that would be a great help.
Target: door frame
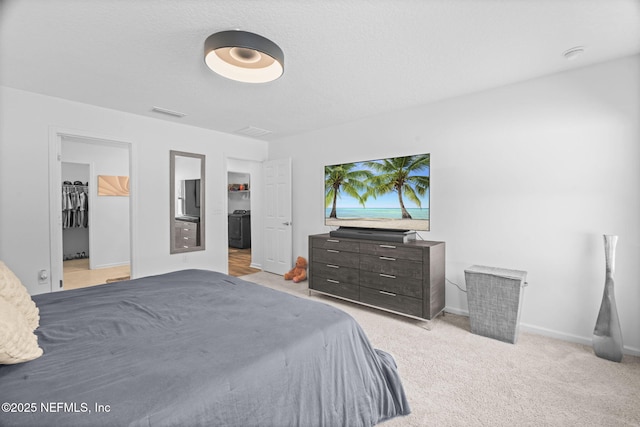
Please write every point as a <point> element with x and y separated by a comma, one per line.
<point>56,134</point>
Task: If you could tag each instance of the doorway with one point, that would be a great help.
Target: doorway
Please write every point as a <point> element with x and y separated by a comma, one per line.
<point>90,233</point>
<point>270,201</point>
<point>76,265</point>
<point>239,208</point>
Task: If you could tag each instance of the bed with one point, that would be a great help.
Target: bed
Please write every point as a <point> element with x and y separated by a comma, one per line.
<point>198,348</point>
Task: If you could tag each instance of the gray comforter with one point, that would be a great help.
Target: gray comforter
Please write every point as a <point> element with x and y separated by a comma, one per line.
<point>198,348</point>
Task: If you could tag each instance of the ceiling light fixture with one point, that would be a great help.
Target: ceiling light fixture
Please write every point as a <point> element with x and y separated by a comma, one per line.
<point>573,53</point>
<point>243,56</point>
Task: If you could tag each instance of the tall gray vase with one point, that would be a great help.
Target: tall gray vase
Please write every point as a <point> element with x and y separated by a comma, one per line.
<point>607,335</point>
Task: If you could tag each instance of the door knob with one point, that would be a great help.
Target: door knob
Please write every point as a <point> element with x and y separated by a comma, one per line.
<point>286,223</point>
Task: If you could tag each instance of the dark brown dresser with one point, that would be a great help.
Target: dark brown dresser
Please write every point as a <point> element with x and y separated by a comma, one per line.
<point>404,278</point>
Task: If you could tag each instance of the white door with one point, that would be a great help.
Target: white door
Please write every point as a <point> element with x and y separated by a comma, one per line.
<point>278,257</point>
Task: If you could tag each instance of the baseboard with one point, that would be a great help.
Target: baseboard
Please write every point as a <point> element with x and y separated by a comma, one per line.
<point>570,338</point>
<point>550,333</point>
<point>115,264</point>
<point>456,311</point>
<point>555,334</point>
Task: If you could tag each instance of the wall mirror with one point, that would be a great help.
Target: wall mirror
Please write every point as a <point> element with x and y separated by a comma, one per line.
<point>187,213</point>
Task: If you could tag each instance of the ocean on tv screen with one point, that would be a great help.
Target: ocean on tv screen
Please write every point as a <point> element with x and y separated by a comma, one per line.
<point>378,213</point>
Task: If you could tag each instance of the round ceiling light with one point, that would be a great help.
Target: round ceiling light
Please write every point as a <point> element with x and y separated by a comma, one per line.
<point>243,56</point>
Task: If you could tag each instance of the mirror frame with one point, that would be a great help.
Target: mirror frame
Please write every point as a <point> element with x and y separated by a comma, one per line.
<point>172,203</point>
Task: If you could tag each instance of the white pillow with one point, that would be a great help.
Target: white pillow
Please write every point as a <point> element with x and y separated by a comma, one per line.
<point>13,291</point>
<point>18,343</point>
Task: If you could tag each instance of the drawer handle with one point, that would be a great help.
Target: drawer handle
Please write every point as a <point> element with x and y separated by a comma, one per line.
<point>386,258</point>
<point>387,275</point>
<point>333,266</point>
<point>333,241</point>
<point>388,246</point>
<point>332,281</point>
<point>387,293</point>
<point>186,229</point>
<point>333,251</point>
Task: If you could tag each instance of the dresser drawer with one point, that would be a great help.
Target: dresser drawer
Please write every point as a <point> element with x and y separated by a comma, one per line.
<point>335,257</point>
<point>335,244</point>
<point>392,251</point>
<point>391,301</point>
<point>392,266</point>
<point>190,233</point>
<point>187,242</point>
<point>179,243</point>
<point>406,278</point>
<point>186,225</point>
<point>394,284</point>
<point>335,287</point>
<point>336,272</point>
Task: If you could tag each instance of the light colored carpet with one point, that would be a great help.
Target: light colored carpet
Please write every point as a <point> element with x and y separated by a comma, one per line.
<point>455,378</point>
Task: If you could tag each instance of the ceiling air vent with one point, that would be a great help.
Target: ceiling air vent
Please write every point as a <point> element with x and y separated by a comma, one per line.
<point>168,112</point>
<point>253,131</point>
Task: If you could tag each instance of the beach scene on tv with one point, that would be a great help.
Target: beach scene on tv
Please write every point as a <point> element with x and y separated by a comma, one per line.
<point>388,193</point>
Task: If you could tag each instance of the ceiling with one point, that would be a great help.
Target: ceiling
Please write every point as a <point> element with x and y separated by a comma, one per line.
<point>344,59</point>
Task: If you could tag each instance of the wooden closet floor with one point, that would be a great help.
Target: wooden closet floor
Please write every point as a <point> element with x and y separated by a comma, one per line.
<point>239,262</point>
<point>76,274</point>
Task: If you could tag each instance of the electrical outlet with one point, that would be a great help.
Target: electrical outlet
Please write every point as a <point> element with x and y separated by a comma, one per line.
<point>43,276</point>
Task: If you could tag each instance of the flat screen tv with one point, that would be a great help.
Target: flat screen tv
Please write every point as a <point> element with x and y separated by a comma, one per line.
<point>389,194</point>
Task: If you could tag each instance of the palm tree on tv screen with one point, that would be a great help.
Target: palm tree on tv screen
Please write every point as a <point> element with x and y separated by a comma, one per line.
<point>343,178</point>
<point>400,174</point>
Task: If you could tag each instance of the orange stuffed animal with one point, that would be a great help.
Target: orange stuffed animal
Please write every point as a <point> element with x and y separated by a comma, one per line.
<point>299,272</point>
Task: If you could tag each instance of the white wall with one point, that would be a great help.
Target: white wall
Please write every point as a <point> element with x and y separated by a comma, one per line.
<point>528,176</point>
<point>26,120</point>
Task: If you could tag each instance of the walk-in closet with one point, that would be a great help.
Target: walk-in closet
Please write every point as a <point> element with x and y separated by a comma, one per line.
<point>75,211</point>
<point>95,227</point>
